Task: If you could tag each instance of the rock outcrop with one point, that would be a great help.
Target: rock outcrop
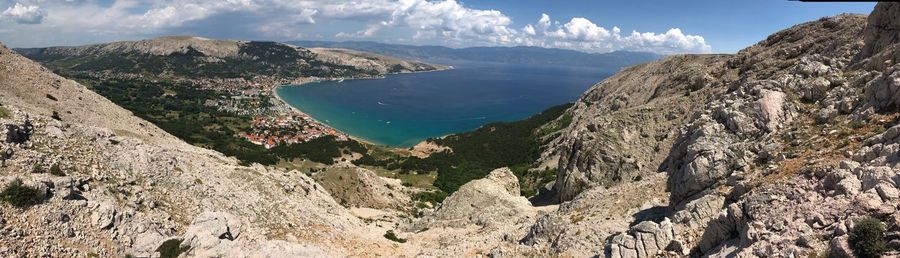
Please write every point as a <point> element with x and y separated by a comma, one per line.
<point>485,202</point>
<point>359,187</point>
<point>621,126</point>
<point>792,143</point>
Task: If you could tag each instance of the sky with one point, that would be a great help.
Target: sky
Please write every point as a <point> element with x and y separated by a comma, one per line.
<point>659,26</point>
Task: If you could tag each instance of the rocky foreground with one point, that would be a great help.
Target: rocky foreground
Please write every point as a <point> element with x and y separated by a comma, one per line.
<point>777,151</point>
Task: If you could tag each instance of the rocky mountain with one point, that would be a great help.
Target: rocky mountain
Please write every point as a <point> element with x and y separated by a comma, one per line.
<point>612,61</point>
<point>197,57</point>
<point>778,150</point>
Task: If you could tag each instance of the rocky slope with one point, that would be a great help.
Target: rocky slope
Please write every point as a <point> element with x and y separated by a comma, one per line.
<point>110,184</point>
<point>774,151</point>
<point>126,185</point>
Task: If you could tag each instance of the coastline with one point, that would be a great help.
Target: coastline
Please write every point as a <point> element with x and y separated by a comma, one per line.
<point>307,80</point>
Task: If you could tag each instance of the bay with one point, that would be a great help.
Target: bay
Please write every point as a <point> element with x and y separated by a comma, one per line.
<point>401,110</point>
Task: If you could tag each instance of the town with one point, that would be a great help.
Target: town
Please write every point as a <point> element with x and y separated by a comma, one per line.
<point>294,127</point>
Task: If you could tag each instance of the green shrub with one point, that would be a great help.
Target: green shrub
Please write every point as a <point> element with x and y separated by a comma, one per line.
<point>20,195</point>
<point>5,113</point>
<point>856,124</point>
<point>171,248</point>
<point>432,197</point>
<point>391,236</point>
<point>37,168</point>
<point>867,238</point>
<point>56,171</point>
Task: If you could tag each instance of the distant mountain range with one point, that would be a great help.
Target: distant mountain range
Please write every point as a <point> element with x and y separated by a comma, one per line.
<point>195,57</point>
<point>518,55</point>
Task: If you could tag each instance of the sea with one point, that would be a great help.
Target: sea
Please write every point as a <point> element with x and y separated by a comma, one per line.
<point>402,110</point>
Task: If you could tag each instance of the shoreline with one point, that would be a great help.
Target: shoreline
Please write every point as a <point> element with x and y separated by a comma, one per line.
<point>274,92</point>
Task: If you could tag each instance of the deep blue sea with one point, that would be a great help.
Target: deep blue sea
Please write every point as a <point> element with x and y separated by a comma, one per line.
<point>404,109</point>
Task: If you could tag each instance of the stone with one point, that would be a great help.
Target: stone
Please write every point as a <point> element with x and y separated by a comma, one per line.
<point>849,186</point>
<point>839,248</point>
<point>104,217</point>
<point>210,229</point>
<point>887,191</point>
<point>484,202</point>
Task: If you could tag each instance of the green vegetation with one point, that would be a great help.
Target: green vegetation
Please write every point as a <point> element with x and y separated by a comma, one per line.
<point>432,197</point>
<point>867,238</point>
<point>257,58</point>
<point>56,171</point>
<point>5,113</point>
<point>504,144</point>
<point>20,195</point>
<point>181,113</point>
<point>564,121</point>
<point>171,248</point>
<point>391,236</point>
<point>36,168</point>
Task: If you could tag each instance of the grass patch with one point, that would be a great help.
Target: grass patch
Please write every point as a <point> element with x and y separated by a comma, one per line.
<point>21,196</point>
<point>171,248</point>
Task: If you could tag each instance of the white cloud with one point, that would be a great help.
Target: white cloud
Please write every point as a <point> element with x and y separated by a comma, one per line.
<point>544,22</point>
<point>181,12</point>
<point>529,30</point>
<point>582,34</point>
<point>447,22</point>
<point>23,14</point>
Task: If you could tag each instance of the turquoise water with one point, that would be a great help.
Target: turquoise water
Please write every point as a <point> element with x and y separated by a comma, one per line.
<point>404,109</point>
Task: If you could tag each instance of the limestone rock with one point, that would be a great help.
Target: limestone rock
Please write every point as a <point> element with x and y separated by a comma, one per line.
<point>210,229</point>
<point>484,202</point>
<point>104,217</point>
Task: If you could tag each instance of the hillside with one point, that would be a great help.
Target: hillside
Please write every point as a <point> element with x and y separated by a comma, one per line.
<point>194,57</point>
<point>612,61</point>
<point>779,150</point>
<point>224,86</point>
<point>788,148</point>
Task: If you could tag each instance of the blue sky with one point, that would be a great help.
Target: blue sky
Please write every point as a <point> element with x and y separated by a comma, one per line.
<point>727,25</point>
<point>593,26</point>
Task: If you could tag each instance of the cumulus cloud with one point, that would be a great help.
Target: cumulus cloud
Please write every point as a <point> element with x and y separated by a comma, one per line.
<point>446,22</point>
<point>23,14</point>
<point>582,34</point>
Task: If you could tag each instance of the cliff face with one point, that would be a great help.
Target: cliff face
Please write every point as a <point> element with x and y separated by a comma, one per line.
<point>789,139</point>
<point>621,126</point>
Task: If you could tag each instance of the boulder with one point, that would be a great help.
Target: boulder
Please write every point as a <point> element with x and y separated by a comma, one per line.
<point>884,91</point>
<point>646,239</point>
<point>484,202</point>
<point>839,248</point>
<point>104,217</point>
<point>209,230</point>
